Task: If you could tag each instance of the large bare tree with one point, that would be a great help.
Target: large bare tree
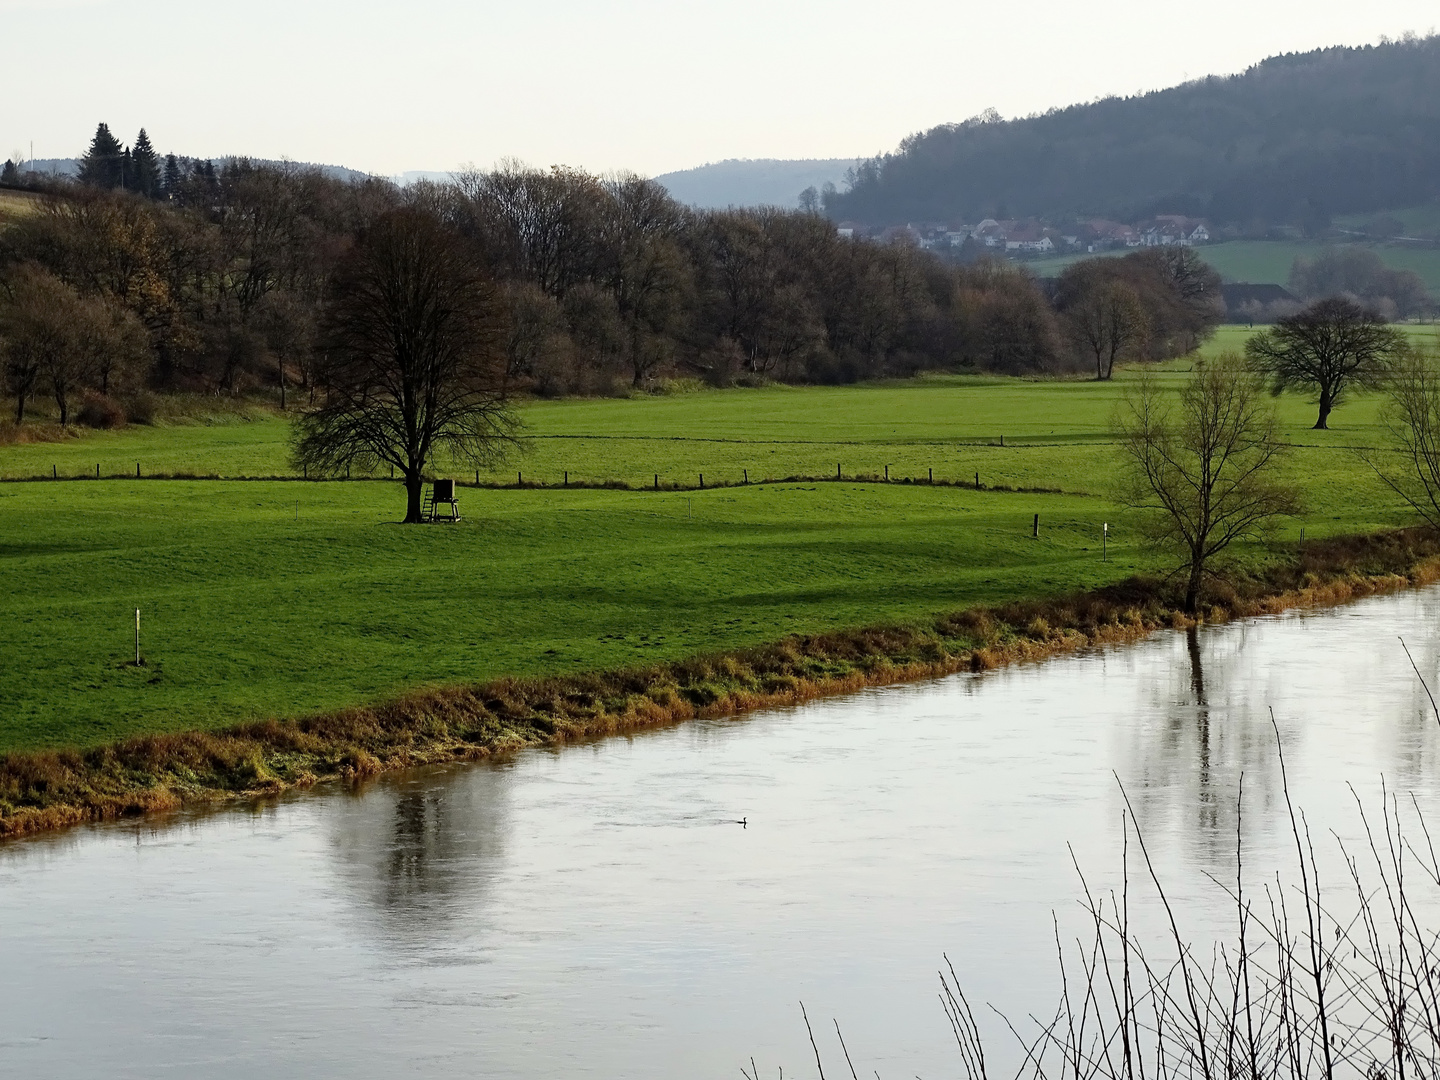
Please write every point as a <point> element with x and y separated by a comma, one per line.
<point>1330,347</point>
<point>413,347</point>
<point>1410,467</point>
<point>1203,465</point>
<point>1107,323</point>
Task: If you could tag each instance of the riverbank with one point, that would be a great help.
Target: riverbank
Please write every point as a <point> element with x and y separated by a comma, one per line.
<point>50,790</point>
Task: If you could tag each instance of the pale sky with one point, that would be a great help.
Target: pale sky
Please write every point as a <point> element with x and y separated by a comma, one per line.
<point>639,84</point>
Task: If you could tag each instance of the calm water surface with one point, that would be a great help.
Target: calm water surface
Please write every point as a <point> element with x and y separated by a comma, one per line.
<point>594,911</point>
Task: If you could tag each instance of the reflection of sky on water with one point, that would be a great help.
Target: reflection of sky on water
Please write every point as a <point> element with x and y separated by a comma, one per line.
<point>595,910</point>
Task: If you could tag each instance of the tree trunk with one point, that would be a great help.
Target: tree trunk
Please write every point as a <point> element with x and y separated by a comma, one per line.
<point>19,408</point>
<point>62,403</point>
<point>282,385</point>
<point>1325,406</point>
<point>1192,587</point>
<point>414,487</point>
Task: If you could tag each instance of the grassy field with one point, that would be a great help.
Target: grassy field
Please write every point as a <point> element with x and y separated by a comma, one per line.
<point>1270,260</point>
<point>280,597</point>
<point>15,204</point>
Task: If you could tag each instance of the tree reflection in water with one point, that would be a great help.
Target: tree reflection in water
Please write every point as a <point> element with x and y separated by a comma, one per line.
<point>418,850</point>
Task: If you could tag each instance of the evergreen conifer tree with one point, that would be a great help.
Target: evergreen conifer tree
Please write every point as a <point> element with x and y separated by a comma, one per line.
<point>174,177</point>
<point>127,170</point>
<point>146,165</point>
<point>9,174</point>
<point>103,163</point>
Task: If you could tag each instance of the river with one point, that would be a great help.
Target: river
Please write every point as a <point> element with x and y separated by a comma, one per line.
<point>598,911</point>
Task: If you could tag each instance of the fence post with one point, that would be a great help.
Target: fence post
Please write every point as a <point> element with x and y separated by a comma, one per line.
<point>657,481</point>
<point>887,474</point>
<point>977,481</point>
<point>702,481</point>
<point>54,471</point>
<point>837,470</point>
<point>567,477</point>
<point>747,475</point>
<point>137,470</point>
<point>1036,532</point>
<point>932,475</point>
<point>97,470</point>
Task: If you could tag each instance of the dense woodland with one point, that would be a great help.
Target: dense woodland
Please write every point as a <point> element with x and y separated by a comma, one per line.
<point>1292,141</point>
<point>170,274</point>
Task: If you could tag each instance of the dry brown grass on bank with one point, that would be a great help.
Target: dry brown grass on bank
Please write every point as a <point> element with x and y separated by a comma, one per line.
<point>162,772</point>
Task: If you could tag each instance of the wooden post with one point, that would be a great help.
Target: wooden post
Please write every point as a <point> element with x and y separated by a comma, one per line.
<point>887,474</point>
<point>305,472</point>
<point>54,472</point>
<point>1002,440</point>
<point>747,475</point>
<point>657,481</point>
<point>347,470</point>
<point>1036,531</point>
<point>519,478</point>
<point>137,470</point>
<point>932,475</point>
<point>97,472</point>
<point>837,470</point>
<point>977,481</point>
<point>702,481</point>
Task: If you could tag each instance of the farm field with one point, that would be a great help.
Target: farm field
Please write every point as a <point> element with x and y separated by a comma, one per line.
<point>951,424</point>
<point>275,597</point>
<point>1270,260</point>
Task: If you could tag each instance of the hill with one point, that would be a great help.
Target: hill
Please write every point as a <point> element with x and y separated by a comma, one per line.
<point>759,182</point>
<point>1296,139</point>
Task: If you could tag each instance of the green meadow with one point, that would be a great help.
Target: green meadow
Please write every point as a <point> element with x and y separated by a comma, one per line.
<point>278,597</point>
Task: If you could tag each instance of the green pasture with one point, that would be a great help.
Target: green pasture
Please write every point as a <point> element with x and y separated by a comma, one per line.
<point>275,597</point>
<point>1270,260</point>
<point>952,425</point>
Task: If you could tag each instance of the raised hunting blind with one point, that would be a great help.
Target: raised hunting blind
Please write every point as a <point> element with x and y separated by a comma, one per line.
<point>442,493</point>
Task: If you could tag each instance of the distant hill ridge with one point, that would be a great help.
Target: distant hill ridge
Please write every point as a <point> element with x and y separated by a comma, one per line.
<point>753,181</point>
<point>1293,140</point>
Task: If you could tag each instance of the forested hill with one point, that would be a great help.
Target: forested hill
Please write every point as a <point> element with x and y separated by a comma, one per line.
<point>1294,139</point>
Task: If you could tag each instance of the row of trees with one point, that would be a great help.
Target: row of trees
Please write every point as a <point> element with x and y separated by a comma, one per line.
<point>603,281</point>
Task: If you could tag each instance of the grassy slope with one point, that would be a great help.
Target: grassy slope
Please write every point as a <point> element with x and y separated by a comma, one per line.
<point>1270,260</point>
<point>249,612</point>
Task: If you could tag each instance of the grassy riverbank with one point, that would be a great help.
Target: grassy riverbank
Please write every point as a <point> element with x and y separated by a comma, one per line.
<point>159,772</point>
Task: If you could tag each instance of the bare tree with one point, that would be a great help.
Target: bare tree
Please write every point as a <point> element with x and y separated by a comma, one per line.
<point>1411,467</point>
<point>287,326</point>
<point>414,357</point>
<point>1108,323</point>
<point>1329,347</point>
<point>1206,471</point>
<point>37,333</point>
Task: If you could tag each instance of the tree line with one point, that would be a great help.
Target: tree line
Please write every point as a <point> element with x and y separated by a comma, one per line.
<point>219,281</point>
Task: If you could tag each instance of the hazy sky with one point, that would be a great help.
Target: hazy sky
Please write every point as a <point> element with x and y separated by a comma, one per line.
<point>636,84</point>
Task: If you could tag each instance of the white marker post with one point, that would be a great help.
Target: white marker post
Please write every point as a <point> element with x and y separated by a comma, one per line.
<point>1105,542</point>
<point>137,637</point>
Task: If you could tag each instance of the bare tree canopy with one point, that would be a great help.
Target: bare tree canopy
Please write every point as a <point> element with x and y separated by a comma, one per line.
<point>414,357</point>
<point>1411,467</point>
<point>1329,348</point>
<point>1204,470</point>
<point>1107,323</point>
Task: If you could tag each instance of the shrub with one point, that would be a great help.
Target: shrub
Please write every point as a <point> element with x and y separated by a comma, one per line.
<point>99,411</point>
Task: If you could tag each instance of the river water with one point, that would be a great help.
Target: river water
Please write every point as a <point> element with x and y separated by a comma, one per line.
<point>597,911</point>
